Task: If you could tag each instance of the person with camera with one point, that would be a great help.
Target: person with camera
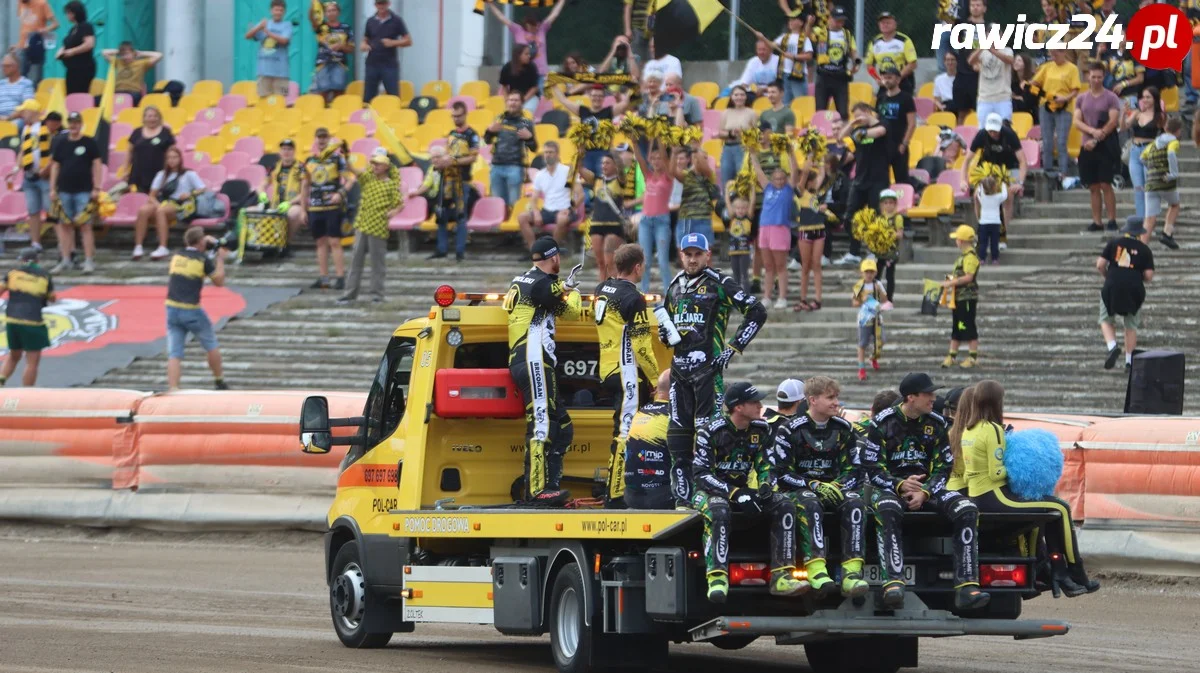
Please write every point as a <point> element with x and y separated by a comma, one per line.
<point>188,269</point>
<point>732,472</point>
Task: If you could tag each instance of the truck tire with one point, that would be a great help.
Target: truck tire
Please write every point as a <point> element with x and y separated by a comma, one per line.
<point>847,656</point>
<point>349,600</point>
<point>570,640</point>
<point>730,643</point>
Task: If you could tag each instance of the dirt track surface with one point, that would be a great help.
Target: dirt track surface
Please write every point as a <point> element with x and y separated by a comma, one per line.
<point>83,601</point>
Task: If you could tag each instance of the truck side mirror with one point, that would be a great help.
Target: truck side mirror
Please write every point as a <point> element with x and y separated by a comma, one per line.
<point>315,436</point>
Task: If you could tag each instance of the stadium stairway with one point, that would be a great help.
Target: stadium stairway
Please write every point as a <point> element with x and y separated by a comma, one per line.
<point>1037,317</point>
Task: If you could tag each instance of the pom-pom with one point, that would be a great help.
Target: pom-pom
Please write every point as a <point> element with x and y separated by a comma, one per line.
<point>634,126</point>
<point>659,128</point>
<point>872,230</point>
<point>744,184</point>
<point>985,169</point>
<point>780,143</point>
<point>1034,463</point>
<point>752,139</point>
<point>813,145</point>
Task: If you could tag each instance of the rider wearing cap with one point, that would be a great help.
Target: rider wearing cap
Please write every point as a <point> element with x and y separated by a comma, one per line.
<point>535,299</point>
<point>732,472</point>
<point>908,459</point>
<point>698,301</point>
<point>790,401</point>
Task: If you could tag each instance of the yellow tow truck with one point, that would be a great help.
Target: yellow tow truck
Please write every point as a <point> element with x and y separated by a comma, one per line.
<point>424,526</point>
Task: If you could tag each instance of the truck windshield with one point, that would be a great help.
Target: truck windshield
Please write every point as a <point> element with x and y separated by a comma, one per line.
<point>389,391</point>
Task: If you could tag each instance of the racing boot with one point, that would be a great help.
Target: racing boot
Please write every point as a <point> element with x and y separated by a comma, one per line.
<point>718,586</point>
<point>550,497</point>
<point>853,584</point>
<point>783,583</point>
<point>818,577</point>
<point>893,595</point>
<point>969,597</point>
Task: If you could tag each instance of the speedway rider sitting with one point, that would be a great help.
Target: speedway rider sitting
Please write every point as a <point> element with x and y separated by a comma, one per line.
<point>732,472</point>
<point>698,301</point>
<point>534,300</point>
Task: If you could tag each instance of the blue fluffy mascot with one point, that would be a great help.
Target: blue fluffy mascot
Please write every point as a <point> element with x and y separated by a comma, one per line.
<point>1034,463</point>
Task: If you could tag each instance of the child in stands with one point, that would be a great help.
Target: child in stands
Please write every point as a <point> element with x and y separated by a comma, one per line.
<point>739,240</point>
<point>889,208</point>
<point>990,196</point>
<point>868,295</point>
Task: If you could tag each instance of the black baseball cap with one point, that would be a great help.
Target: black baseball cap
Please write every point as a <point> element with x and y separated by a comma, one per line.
<point>885,15</point>
<point>838,12</point>
<point>912,384</point>
<point>544,248</point>
<point>287,142</point>
<point>53,117</point>
<point>949,401</point>
<point>741,393</point>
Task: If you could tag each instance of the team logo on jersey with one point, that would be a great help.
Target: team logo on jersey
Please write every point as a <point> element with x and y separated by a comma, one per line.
<point>70,320</point>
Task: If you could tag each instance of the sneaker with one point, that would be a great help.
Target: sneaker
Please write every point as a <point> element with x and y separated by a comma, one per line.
<point>783,583</point>
<point>824,260</point>
<point>780,304</point>
<point>875,364</point>
<point>89,266</point>
<point>718,586</point>
<point>458,257</point>
<point>854,586</point>
<point>138,252</point>
<point>220,384</point>
<point>948,362</point>
<point>1113,354</point>
<point>793,264</point>
<point>1111,226</point>
<point>551,497</point>
<point>1094,227</point>
<point>1168,241</point>
<point>1003,246</point>
<point>755,286</point>
<point>319,284</point>
<point>441,255</point>
<point>340,283</point>
<point>848,259</point>
<point>893,596</point>
<point>969,597</point>
<point>62,267</point>
<point>970,363</point>
<point>862,374</point>
<point>159,253</point>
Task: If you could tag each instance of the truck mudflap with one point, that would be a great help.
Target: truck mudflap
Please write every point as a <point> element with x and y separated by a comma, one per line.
<point>848,620</point>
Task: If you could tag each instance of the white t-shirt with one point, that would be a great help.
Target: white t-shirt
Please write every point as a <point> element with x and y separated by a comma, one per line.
<point>758,73</point>
<point>663,66</point>
<point>989,204</point>
<point>185,184</point>
<point>995,77</point>
<point>943,87</point>
<point>790,42</point>
<point>553,187</point>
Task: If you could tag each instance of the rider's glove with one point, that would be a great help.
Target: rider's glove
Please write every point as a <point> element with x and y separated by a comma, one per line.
<point>722,360</point>
<point>826,490</point>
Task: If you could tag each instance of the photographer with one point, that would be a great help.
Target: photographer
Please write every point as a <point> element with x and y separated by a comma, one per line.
<point>188,269</point>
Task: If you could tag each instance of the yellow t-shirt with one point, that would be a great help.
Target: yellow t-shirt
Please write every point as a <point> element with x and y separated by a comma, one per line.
<point>983,452</point>
<point>131,77</point>
<point>1057,80</point>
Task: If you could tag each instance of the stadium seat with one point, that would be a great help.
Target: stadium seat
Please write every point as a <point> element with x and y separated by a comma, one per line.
<point>286,118</point>
<point>309,104</point>
<point>436,141</point>
<point>364,146</point>
<point>953,178</point>
<point>214,222</point>
<point>234,161</point>
<point>46,86</point>
<point>423,105</point>
<point>402,121</point>
<point>916,150</point>
<point>254,174</point>
<point>271,105</point>
<point>272,135</point>
<point>131,116</point>
<point>936,200</point>
<point>480,120</point>
<point>493,104</point>
<point>477,89</point>
<point>1074,142</point>
<point>386,104</point>
<point>1033,153</point>
<point>190,133</point>
<point>440,120</point>
<point>210,89</point>
<point>824,120</point>
<point>465,100</point>
<point>971,119</point>
<point>122,101</point>
<point>721,103</point>
<point>926,91</point>
<point>407,92</point>
<point>416,211</point>
<point>967,133</point>
<point>127,209</point>
<point>192,104</point>
<point>12,208</point>
<point>919,174</point>
<point>350,132</point>
<point>90,117</point>
<point>411,177</point>
<point>232,132</point>
<point>439,89</point>
<point>159,100</point>
<point>804,107</point>
<point>213,116</point>
<point>8,156</point>
<point>212,175</point>
<point>862,92</point>
<point>927,136</point>
<point>705,91</point>
<point>247,89</point>
<point>174,117</point>
<point>231,103</point>
<point>1022,122</point>
<point>905,192</point>
<point>97,87</point>
<point>925,107</point>
<point>558,118</point>
<point>345,104</point>
<point>213,146</point>
<point>761,104</point>
<point>355,88</point>
<point>544,132</point>
<point>946,119</point>
<point>487,215</point>
<point>1170,98</point>
<point>198,159</point>
<point>252,146</point>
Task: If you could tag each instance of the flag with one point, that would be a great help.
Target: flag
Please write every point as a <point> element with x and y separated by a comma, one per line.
<point>387,137</point>
<point>677,22</point>
<point>100,133</point>
<point>58,101</point>
<point>517,3</point>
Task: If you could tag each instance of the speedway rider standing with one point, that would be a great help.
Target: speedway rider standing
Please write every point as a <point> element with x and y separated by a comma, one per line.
<point>698,301</point>
<point>535,299</point>
<point>907,455</point>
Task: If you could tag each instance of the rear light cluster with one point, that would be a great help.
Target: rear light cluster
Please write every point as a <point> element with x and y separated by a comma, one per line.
<point>748,574</point>
<point>1003,575</point>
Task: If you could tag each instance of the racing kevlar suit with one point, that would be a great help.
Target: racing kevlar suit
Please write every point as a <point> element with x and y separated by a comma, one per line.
<point>533,302</point>
<point>699,306</point>
<point>646,460</point>
<point>627,364</point>
<point>818,467</point>
<point>728,460</point>
<point>897,447</point>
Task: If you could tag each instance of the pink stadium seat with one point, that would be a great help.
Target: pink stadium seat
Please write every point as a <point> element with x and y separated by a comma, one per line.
<point>712,123</point>
<point>116,160</point>
<point>214,222</point>
<point>231,102</point>
<point>954,179</point>
<point>252,146</point>
<point>213,116</point>
<point>469,101</point>
<point>544,106</point>
<point>122,101</point>
<point>925,107</point>
<point>8,156</point>
<point>194,131</point>
<point>488,214</point>
<point>416,211</point>
<point>967,133</point>
<point>78,102</point>
<point>485,153</point>
<point>366,117</point>
<point>254,174</point>
<point>1033,153</point>
<point>213,175</point>
<point>127,209</point>
<point>18,179</point>
<point>906,196</point>
<point>12,208</point>
<point>195,159</point>
<point>235,161</point>
<point>919,174</point>
<point>116,132</point>
<point>1035,133</point>
<point>823,121</point>
<point>436,142</point>
<point>411,177</point>
<point>364,146</point>
<point>293,93</point>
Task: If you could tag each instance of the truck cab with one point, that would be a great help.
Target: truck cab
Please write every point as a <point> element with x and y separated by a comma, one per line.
<point>425,526</point>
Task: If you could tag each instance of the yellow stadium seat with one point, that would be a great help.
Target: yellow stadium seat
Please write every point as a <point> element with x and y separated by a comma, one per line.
<point>936,200</point>
<point>191,104</point>
<point>213,146</point>
<point>8,128</point>
<point>566,151</point>
<point>158,100</point>
<point>350,132</point>
<point>423,135</point>
<point>439,119</point>
<point>403,121</point>
<point>713,147</point>
<point>926,90</point>
<point>862,92</point>
<point>90,116</point>
<point>481,119</point>
<point>707,91</point>
<point>309,105</point>
<point>248,116</point>
<point>47,85</point>
<point>760,104</point>
<point>439,89</point>
<point>544,132</point>
<point>97,87</point>
<point>1074,142</point>
<point>971,119</point>
<point>477,89</point>
<point>271,134</point>
<point>511,225</point>
<point>1022,122</point>
<point>721,103</point>
<point>131,116</point>
<point>346,104</point>
<point>718,225</point>
<point>358,161</point>
<point>494,104</point>
<point>42,98</point>
<point>286,117</point>
<point>386,104</point>
<point>407,92</point>
<point>927,135</point>
<point>174,117</point>
<point>330,119</point>
<point>122,144</point>
<point>355,88</point>
<point>804,107</point>
<point>247,89</point>
<point>305,134</point>
<point>942,119</point>
<point>209,88</point>
<point>916,150</point>
<point>233,131</point>
<point>1170,98</point>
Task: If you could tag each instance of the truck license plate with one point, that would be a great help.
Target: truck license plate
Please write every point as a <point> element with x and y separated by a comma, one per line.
<point>873,574</point>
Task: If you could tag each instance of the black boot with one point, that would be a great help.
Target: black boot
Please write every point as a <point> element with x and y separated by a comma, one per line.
<point>1079,577</point>
<point>1062,579</point>
<point>969,597</point>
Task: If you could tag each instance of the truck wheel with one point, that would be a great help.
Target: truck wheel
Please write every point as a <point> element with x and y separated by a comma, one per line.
<point>847,656</point>
<point>730,643</point>
<point>349,600</point>
<point>569,638</point>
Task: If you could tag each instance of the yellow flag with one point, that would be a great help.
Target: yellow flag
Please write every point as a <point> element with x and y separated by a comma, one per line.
<point>58,100</point>
<point>387,137</point>
<point>103,124</point>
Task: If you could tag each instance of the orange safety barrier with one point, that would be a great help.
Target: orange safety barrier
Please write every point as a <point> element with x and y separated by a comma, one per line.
<point>1143,469</point>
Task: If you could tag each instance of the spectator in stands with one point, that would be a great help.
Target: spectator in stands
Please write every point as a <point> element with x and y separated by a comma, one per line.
<point>1126,264</point>
<point>810,232</point>
<point>662,64</point>
<point>966,81</point>
<point>999,144</point>
<point>458,195</point>
<point>335,41</point>
<point>38,24</point>
<point>14,89</point>
<point>1023,100</point>
<point>1161,162</point>
<point>592,114</point>
<point>606,228</point>
<point>380,202</point>
<point>760,70</point>
<point>520,76</point>
<point>329,180</point>
<point>550,189</point>
<point>573,66</point>
<point>273,36</point>
<point>637,27</point>
<point>1058,80</point>
<point>383,37</point>
<point>995,82</point>
<point>694,173</point>
<point>871,174</point>
<point>734,120</point>
<point>799,53</point>
<point>781,119</point>
<point>132,66</point>
<point>620,60</point>
<point>431,185</point>
<point>172,198</point>
<point>837,62</point>
<point>1097,112</point>
<point>37,140</point>
<point>950,12</point>
<point>943,84</point>
<point>30,288</point>
<point>989,196</point>
<point>963,284</point>
<point>510,135</point>
<point>693,110</point>
<point>287,184</point>
<point>189,267</point>
<point>898,113</point>
<point>774,226</point>
<point>1125,75</point>
<point>890,48</point>
<point>75,183</point>
<point>1144,125</point>
<point>870,329</point>
<point>147,149</point>
<point>532,32</point>
<point>76,50</point>
<point>654,227</point>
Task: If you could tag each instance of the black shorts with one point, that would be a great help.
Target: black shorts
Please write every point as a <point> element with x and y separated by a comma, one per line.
<point>550,217</point>
<point>606,230</point>
<point>810,236</point>
<point>962,327</point>
<point>325,223</point>
<point>1096,166</point>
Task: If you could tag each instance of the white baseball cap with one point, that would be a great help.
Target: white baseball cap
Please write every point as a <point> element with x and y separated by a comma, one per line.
<point>993,123</point>
<point>790,390</point>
